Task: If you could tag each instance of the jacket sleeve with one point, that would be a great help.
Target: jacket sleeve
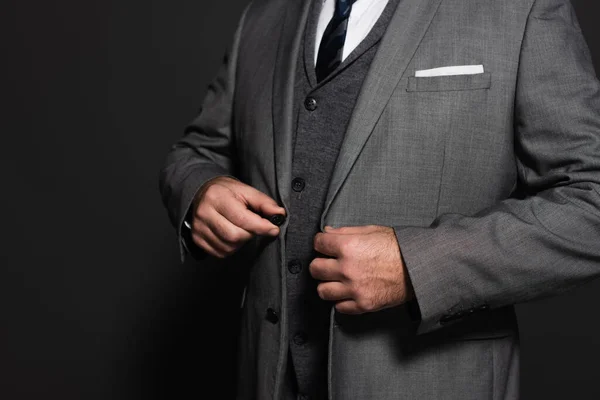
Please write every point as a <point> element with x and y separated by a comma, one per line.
<point>205,151</point>
<point>547,240</point>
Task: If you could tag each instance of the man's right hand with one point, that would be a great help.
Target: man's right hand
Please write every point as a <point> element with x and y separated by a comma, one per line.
<point>227,213</point>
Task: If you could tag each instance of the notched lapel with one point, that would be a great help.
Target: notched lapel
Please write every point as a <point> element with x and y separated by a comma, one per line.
<point>405,31</point>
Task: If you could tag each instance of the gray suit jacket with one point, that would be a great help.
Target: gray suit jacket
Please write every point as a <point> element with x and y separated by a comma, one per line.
<point>491,182</point>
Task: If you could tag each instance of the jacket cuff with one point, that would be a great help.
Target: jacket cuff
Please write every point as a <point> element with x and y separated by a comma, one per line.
<point>432,302</point>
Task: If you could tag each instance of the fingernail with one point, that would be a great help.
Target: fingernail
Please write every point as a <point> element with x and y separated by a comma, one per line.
<point>327,227</point>
<point>274,231</point>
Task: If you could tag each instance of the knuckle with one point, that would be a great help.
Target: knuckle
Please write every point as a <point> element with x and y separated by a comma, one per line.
<point>317,240</point>
<point>241,218</point>
<point>210,194</point>
<point>345,271</point>
<point>238,196</point>
<point>198,227</point>
<point>229,235</point>
<point>353,242</point>
<point>361,303</point>
<point>346,245</point>
<point>312,268</point>
<point>235,237</point>
<point>364,304</point>
<point>227,248</point>
<point>198,240</point>
<point>354,292</point>
<point>219,253</point>
<point>321,291</point>
<point>201,211</point>
<point>198,243</point>
<point>228,252</point>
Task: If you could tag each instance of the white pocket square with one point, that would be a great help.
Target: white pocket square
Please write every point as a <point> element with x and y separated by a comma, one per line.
<point>451,70</point>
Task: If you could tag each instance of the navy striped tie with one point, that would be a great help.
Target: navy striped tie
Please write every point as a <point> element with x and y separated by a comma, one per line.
<point>332,43</point>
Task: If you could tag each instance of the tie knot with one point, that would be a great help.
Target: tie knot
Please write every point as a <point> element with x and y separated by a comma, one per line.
<point>342,7</point>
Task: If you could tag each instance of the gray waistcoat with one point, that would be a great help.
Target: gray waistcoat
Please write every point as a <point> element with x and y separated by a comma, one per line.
<point>323,111</point>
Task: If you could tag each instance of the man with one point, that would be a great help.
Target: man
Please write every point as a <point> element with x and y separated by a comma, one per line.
<point>391,177</point>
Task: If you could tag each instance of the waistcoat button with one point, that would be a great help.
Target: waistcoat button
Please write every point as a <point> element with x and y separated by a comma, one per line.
<point>310,103</point>
<point>295,266</point>
<point>298,184</point>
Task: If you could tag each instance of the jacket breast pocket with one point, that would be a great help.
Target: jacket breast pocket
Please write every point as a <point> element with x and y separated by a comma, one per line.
<point>449,82</point>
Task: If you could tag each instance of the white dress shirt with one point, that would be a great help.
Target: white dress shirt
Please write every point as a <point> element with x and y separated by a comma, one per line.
<point>363,16</point>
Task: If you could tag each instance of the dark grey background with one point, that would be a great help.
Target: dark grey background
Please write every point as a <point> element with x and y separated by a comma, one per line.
<point>93,301</point>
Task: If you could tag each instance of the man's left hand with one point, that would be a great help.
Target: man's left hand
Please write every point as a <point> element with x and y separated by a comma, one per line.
<point>366,273</point>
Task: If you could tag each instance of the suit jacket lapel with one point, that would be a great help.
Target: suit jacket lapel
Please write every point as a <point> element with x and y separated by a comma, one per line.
<point>405,31</point>
<point>292,29</point>
<point>309,42</point>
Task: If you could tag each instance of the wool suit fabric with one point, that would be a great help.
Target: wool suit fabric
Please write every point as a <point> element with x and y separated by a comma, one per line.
<point>490,181</point>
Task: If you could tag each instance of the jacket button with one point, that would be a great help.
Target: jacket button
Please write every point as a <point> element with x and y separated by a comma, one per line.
<point>272,316</point>
<point>300,338</point>
<point>298,184</point>
<point>451,317</point>
<point>277,219</point>
<point>310,103</point>
<point>295,266</point>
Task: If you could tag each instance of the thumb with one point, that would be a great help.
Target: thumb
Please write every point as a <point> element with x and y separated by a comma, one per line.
<point>350,230</point>
<point>261,203</point>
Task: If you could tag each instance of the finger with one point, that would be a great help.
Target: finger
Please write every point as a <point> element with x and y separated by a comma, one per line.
<point>238,214</point>
<point>325,269</point>
<point>225,230</point>
<point>349,230</point>
<point>209,237</point>
<point>328,244</point>
<point>348,307</point>
<point>203,244</point>
<point>334,291</point>
<point>259,202</point>
<point>268,210</point>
